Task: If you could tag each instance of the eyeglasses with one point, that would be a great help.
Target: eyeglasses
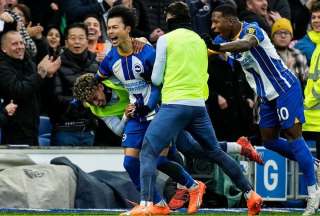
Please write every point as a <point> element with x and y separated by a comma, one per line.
<point>285,33</point>
<point>72,38</point>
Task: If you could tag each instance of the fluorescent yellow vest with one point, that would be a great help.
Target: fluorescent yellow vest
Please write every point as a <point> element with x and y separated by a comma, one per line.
<point>312,89</point>
<point>185,76</point>
<point>116,109</point>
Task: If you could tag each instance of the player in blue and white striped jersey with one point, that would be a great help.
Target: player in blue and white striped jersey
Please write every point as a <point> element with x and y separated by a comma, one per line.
<point>277,87</point>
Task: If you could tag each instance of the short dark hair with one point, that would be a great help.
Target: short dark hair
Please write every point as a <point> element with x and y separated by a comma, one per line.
<point>92,16</point>
<point>179,10</point>
<point>76,25</point>
<point>85,86</point>
<point>126,14</point>
<point>315,7</point>
<point>227,10</point>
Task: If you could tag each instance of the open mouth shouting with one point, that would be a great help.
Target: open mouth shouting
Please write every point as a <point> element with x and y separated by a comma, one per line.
<point>114,40</point>
<point>92,34</point>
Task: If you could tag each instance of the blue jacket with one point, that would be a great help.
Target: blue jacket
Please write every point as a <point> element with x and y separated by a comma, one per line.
<point>306,46</point>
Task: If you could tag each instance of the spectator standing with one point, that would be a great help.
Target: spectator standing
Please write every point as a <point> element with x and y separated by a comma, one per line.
<point>256,11</point>
<point>95,41</point>
<point>55,39</point>
<point>72,123</point>
<point>20,81</point>
<point>9,20</point>
<point>282,34</point>
<point>35,32</point>
<point>311,128</point>
<point>308,43</point>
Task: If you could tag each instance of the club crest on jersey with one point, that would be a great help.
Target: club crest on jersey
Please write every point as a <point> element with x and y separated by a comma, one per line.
<point>251,31</point>
<point>138,68</point>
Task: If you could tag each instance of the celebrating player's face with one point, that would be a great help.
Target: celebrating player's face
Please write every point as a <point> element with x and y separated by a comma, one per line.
<point>117,31</point>
<point>219,24</point>
<point>98,98</point>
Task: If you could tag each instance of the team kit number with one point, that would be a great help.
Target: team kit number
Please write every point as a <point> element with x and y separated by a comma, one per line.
<point>283,113</point>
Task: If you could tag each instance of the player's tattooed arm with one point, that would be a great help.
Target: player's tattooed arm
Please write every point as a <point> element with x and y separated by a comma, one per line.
<point>246,43</point>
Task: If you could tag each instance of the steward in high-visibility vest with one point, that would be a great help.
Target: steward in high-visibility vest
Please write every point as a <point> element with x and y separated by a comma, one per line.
<point>312,89</point>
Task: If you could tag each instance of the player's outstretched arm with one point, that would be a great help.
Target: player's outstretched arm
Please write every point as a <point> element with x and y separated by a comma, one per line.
<point>241,45</point>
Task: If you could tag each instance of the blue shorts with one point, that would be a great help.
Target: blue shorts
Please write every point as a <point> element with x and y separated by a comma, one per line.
<point>284,110</point>
<point>133,134</point>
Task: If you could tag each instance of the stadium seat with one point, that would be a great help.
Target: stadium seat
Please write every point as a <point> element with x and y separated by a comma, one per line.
<point>44,131</point>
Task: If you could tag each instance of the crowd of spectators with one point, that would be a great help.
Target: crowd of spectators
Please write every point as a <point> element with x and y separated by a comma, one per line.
<point>47,44</point>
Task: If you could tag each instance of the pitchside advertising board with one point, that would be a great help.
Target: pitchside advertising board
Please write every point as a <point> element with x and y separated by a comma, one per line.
<point>271,178</point>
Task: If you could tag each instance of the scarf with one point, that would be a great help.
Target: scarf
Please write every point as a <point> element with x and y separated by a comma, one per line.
<point>29,43</point>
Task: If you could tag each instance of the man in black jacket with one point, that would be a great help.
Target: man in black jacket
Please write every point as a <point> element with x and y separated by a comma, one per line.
<point>73,124</point>
<point>19,81</point>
